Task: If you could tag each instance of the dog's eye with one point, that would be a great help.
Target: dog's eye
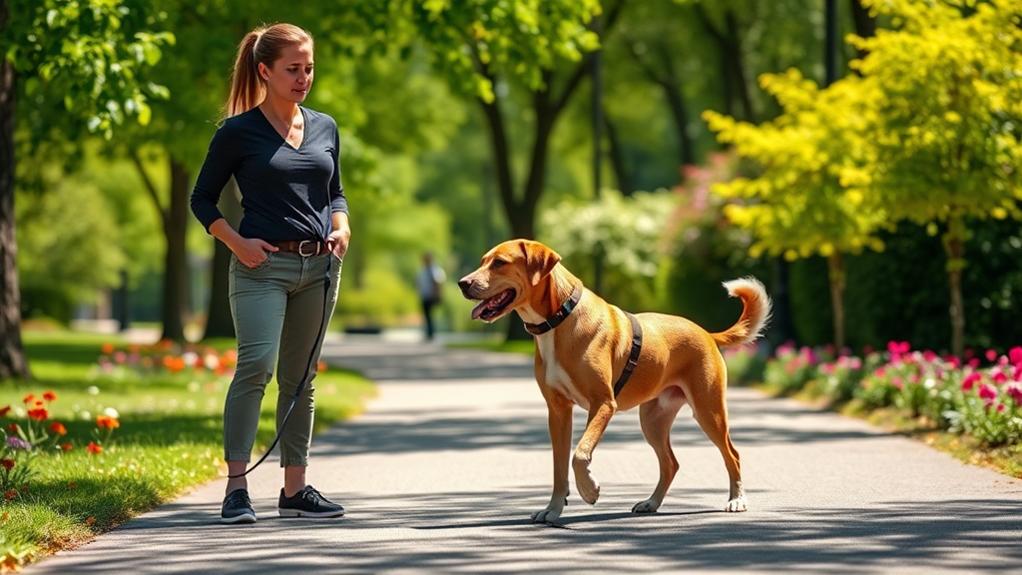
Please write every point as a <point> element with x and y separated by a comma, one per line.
<point>496,264</point>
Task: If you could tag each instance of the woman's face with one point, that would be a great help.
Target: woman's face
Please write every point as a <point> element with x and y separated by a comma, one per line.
<point>290,76</point>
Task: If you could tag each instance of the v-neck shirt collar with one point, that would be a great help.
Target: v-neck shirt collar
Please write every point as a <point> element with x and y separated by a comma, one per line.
<point>305,126</point>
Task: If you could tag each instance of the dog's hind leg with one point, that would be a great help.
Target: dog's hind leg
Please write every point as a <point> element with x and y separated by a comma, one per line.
<point>599,416</point>
<point>711,414</point>
<point>656,416</point>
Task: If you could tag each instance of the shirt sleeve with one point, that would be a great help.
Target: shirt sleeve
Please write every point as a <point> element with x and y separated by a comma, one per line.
<point>338,202</point>
<point>220,164</point>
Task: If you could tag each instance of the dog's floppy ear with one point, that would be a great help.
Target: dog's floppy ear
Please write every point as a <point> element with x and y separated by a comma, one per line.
<point>539,260</point>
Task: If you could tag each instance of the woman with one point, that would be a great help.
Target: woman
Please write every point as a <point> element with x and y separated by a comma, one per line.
<point>287,253</point>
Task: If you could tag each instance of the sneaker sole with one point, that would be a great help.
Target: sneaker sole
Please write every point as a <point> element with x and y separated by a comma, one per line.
<point>312,514</point>
<point>243,518</point>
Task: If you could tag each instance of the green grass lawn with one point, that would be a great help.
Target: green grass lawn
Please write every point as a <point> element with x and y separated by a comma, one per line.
<point>169,440</point>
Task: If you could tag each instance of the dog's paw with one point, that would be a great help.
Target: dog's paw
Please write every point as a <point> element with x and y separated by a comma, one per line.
<point>647,506</point>
<point>737,504</point>
<point>549,515</point>
<point>588,487</point>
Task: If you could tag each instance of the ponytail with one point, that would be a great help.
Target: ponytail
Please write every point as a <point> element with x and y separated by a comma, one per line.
<point>262,45</point>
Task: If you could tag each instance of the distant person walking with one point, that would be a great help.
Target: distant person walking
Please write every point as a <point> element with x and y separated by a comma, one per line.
<point>287,253</point>
<point>429,284</point>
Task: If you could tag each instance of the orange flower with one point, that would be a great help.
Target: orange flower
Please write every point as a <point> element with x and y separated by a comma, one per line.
<point>90,520</point>
<point>40,403</point>
<point>107,348</point>
<point>50,396</point>
<point>58,428</point>
<point>105,422</point>
<point>39,414</point>
<point>321,367</point>
<point>10,494</point>
<point>65,447</point>
<point>94,448</point>
<point>7,463</point>
<point>6,409</point>
<point>28,399</point>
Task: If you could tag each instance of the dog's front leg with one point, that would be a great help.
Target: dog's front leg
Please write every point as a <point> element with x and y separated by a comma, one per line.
<point>559,420</point>
<point>599,416</point>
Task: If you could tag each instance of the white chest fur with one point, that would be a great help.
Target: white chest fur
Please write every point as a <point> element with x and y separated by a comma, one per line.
<point>554,375</point>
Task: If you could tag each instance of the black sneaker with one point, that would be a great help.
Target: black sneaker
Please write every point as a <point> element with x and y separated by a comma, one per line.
<point>308,503</point>
<point>237,508</point>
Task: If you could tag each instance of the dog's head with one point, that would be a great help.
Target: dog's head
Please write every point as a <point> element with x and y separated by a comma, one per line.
<point>506,276</point>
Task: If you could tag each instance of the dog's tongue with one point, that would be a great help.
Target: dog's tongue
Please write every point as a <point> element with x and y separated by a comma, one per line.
<point>477,311</point>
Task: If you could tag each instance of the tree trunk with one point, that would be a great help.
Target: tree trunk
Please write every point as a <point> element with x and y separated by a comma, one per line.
<point>865,24</point>
<point>13,362</point>
<point>736,65</point>
<point>836,275</point>
<point>679,113</point>
<point>617,158</point>
<point>219,322</point>
<point>954,247</point>
<point>175,276</point>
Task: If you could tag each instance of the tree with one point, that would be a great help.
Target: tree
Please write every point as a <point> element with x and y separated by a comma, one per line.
<point>806,196</point>
<point>92,57</point>
<point>947,126</point>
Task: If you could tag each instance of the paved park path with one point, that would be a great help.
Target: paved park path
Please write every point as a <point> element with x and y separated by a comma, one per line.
<point>441,473</point>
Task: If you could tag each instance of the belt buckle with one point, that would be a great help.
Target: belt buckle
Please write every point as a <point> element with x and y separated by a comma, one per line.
<point>302,243</point>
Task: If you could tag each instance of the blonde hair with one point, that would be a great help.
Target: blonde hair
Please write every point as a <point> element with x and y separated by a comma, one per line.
<point>260,46</point>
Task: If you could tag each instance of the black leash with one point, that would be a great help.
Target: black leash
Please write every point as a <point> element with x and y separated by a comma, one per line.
<point>308,372</point>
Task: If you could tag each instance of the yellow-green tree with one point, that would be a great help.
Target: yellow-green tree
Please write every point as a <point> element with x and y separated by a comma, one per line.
<point>806,197</point>
<point>947,126</point>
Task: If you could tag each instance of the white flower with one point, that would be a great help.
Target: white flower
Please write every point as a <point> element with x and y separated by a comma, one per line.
<point>92,390</point>
<point>111,412</point>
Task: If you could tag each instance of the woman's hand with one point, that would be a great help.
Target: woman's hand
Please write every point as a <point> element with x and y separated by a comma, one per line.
<point>338,239</point>
<point>251,252</point>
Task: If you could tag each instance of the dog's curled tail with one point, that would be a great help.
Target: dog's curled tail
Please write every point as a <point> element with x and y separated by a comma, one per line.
<point>755,312</point>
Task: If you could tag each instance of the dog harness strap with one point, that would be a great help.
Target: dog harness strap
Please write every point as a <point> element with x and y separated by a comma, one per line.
<point>555,320</point>
<point>633,357</point>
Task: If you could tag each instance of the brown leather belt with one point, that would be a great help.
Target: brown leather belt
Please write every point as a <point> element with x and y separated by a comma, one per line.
<point>305,248</point>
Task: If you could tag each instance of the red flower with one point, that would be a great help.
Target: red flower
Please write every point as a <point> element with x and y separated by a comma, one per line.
<point>7,463</point>
<point>1015,355</point>
<point>988,392</point>
<point>28,399</point>
<point>5,411</point>
<point>12,427</point>
<point>94,448</point>
<point>10,494</point>
<point>65,447</point>
<point>970,381</point>
<point>38,414</point>
<point>58,428</point>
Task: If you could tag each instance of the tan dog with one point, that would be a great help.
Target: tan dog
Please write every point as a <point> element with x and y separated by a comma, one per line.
<point>578,362</point>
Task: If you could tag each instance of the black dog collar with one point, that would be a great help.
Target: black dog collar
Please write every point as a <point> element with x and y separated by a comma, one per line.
<point>559,316</point>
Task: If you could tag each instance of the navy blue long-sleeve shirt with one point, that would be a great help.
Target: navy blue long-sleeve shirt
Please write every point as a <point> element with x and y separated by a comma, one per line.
<point>286,193</point>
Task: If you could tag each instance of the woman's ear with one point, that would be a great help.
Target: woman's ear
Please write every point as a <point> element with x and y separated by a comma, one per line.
<point>264,71</point>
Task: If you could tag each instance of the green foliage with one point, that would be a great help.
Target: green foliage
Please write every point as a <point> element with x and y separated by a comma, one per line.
<point>624,233</point>
<point>90,55</point>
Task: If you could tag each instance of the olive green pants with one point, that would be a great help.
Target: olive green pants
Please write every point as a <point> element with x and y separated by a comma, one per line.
<point>278,309</point>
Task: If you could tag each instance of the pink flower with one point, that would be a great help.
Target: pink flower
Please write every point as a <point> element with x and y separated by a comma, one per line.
<point>1018,373</point>
<point>971,380</point>
<point>974,362</point>
<point>897,382</point>
<point>929,355</point>
<point>1015,354</point>
<point>987,392</point>
<point>1015,391</point>
<point>879,372</point>
<point>991,354</point>
<point>954,361</point>
<point>1000,377</point>
<point>1001,407</point>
